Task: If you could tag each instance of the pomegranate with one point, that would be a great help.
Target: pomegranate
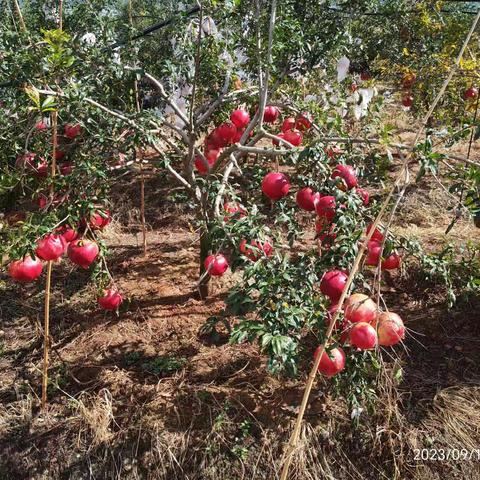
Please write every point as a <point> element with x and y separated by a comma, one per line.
<point>83,252</point>
<point>374,253</point>
<point>471,93</point>
<point>256,249</point>
<point>407,100</point>
<point>304,122</point>
<point>347,173</point>
<point>333,152</point>
<point>331,362</point>
<point>325,232</point>
<point>288,124</point>
<point>391,262</point>
<point>331,311</point>
<point>360,308</point>
<point>211,156</point>
<point>275,141</point>
<point>391,329</point>
<point>275,185</point>
<point>306,199</point>
<point>365,76</point>
<point>332,284</point>
<point>59,154</point>
<point>216,265</point>
<point>50,247</point>
<point>353,87</point>
<point>377,235</point>
<point>98,220</point>
<point>111,299</point>
<point>25,270</point>
<point>226,133</point>
<point>41,125</point>
<point>294,137</point>
<point>213,141</point>
<point>363,336</point>
<point>72,131</point>
<point>325,207</point>
<point>271,114</point>
<point>364,195</point>
<point>68,233</point>
<point>240,118</point>
<point>66,168</point>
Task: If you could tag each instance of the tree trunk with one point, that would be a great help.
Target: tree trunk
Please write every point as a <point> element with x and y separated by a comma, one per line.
<point>204,252</point>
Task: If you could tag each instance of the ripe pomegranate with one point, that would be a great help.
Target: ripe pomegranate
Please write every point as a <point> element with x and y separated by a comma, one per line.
<point>213,141</point>
<point>83,252</point>
<point>294,137</point>
<point>111,299</point>
<point>41,125</point>
<point>288,124</point>
<point>360,308</point>
<point>306,199</point>
<point>59,154</point>
<point>391,262</point>
<point>240,118</point>
<point>66,168</point>
<point>72,131</point>
<point>365,76</point>
<point>68,233</point>
<point>408,80</point>
<point>373,254</point>
<point>353,87</point>
<point>234,210</point>
<point>271,114</point>
<point>216,265</point>
<point>211,156</point>
<point>471,93</point>
<point>256,249</point>
<point>332,309</point>
<point>304,122</point>
<point>275,185</point>
<point>226,133</point>
<point>391,329</point>
<point>25,270</point>
<point>332,284</point>
<point>377,235</point>
<point>325,232</point>
<point>363,194</point>
<point>363,336</point>
<point>98,220</point>
<point>347,173</point>
<point>50,247</point>
<point>331,362</point>
<point>333,152</point>
<point>276,142</point>
<point>325,207</point>
<point>407,100</point>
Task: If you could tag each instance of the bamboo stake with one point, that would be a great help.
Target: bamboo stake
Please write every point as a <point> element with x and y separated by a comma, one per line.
<point>292,444</point>
<point>20,16</point>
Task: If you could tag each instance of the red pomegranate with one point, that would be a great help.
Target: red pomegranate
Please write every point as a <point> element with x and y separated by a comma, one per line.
<point>333,152</point>
<point>306,199</point>
<point>275,185</point>
<point>66,168</point>
<point>353,87</point>
<point>377,235</point>
<point>347,173</point>
<point>294,137</point>
<point>471,93</point>
<point>72,131</point>
<point>325,207</point>
<point>288,124</point>
<point>331,311</point>
<point>331,362</point>
<point>256,249</point>
<point>276,142</point>
<point>364,195</point>
<point>392,262</point>
<point>50,247</point>
<point>41,125</point>
<point>325,232</point>
<point>99,219</point>
<point>391,329</point>
<point>365,76</point>
<point>25,270</point>
<point>68,233</point>
<point>59,154</point>
<point>240,118</point>
<point>216,265</point>
<point>332,284</point>
<point>226,133</point>
<point>83,252</point>
<point>211,157</point>
<point>363,336</point>
<point>304,122</point>
<point>360,308</point>
<point>373,254</point>
<point>407,101</point>
<point>271,114</point>
<point>110,299</point>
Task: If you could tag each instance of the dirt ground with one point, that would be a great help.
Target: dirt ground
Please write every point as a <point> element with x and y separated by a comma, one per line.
<point>146,395</point>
